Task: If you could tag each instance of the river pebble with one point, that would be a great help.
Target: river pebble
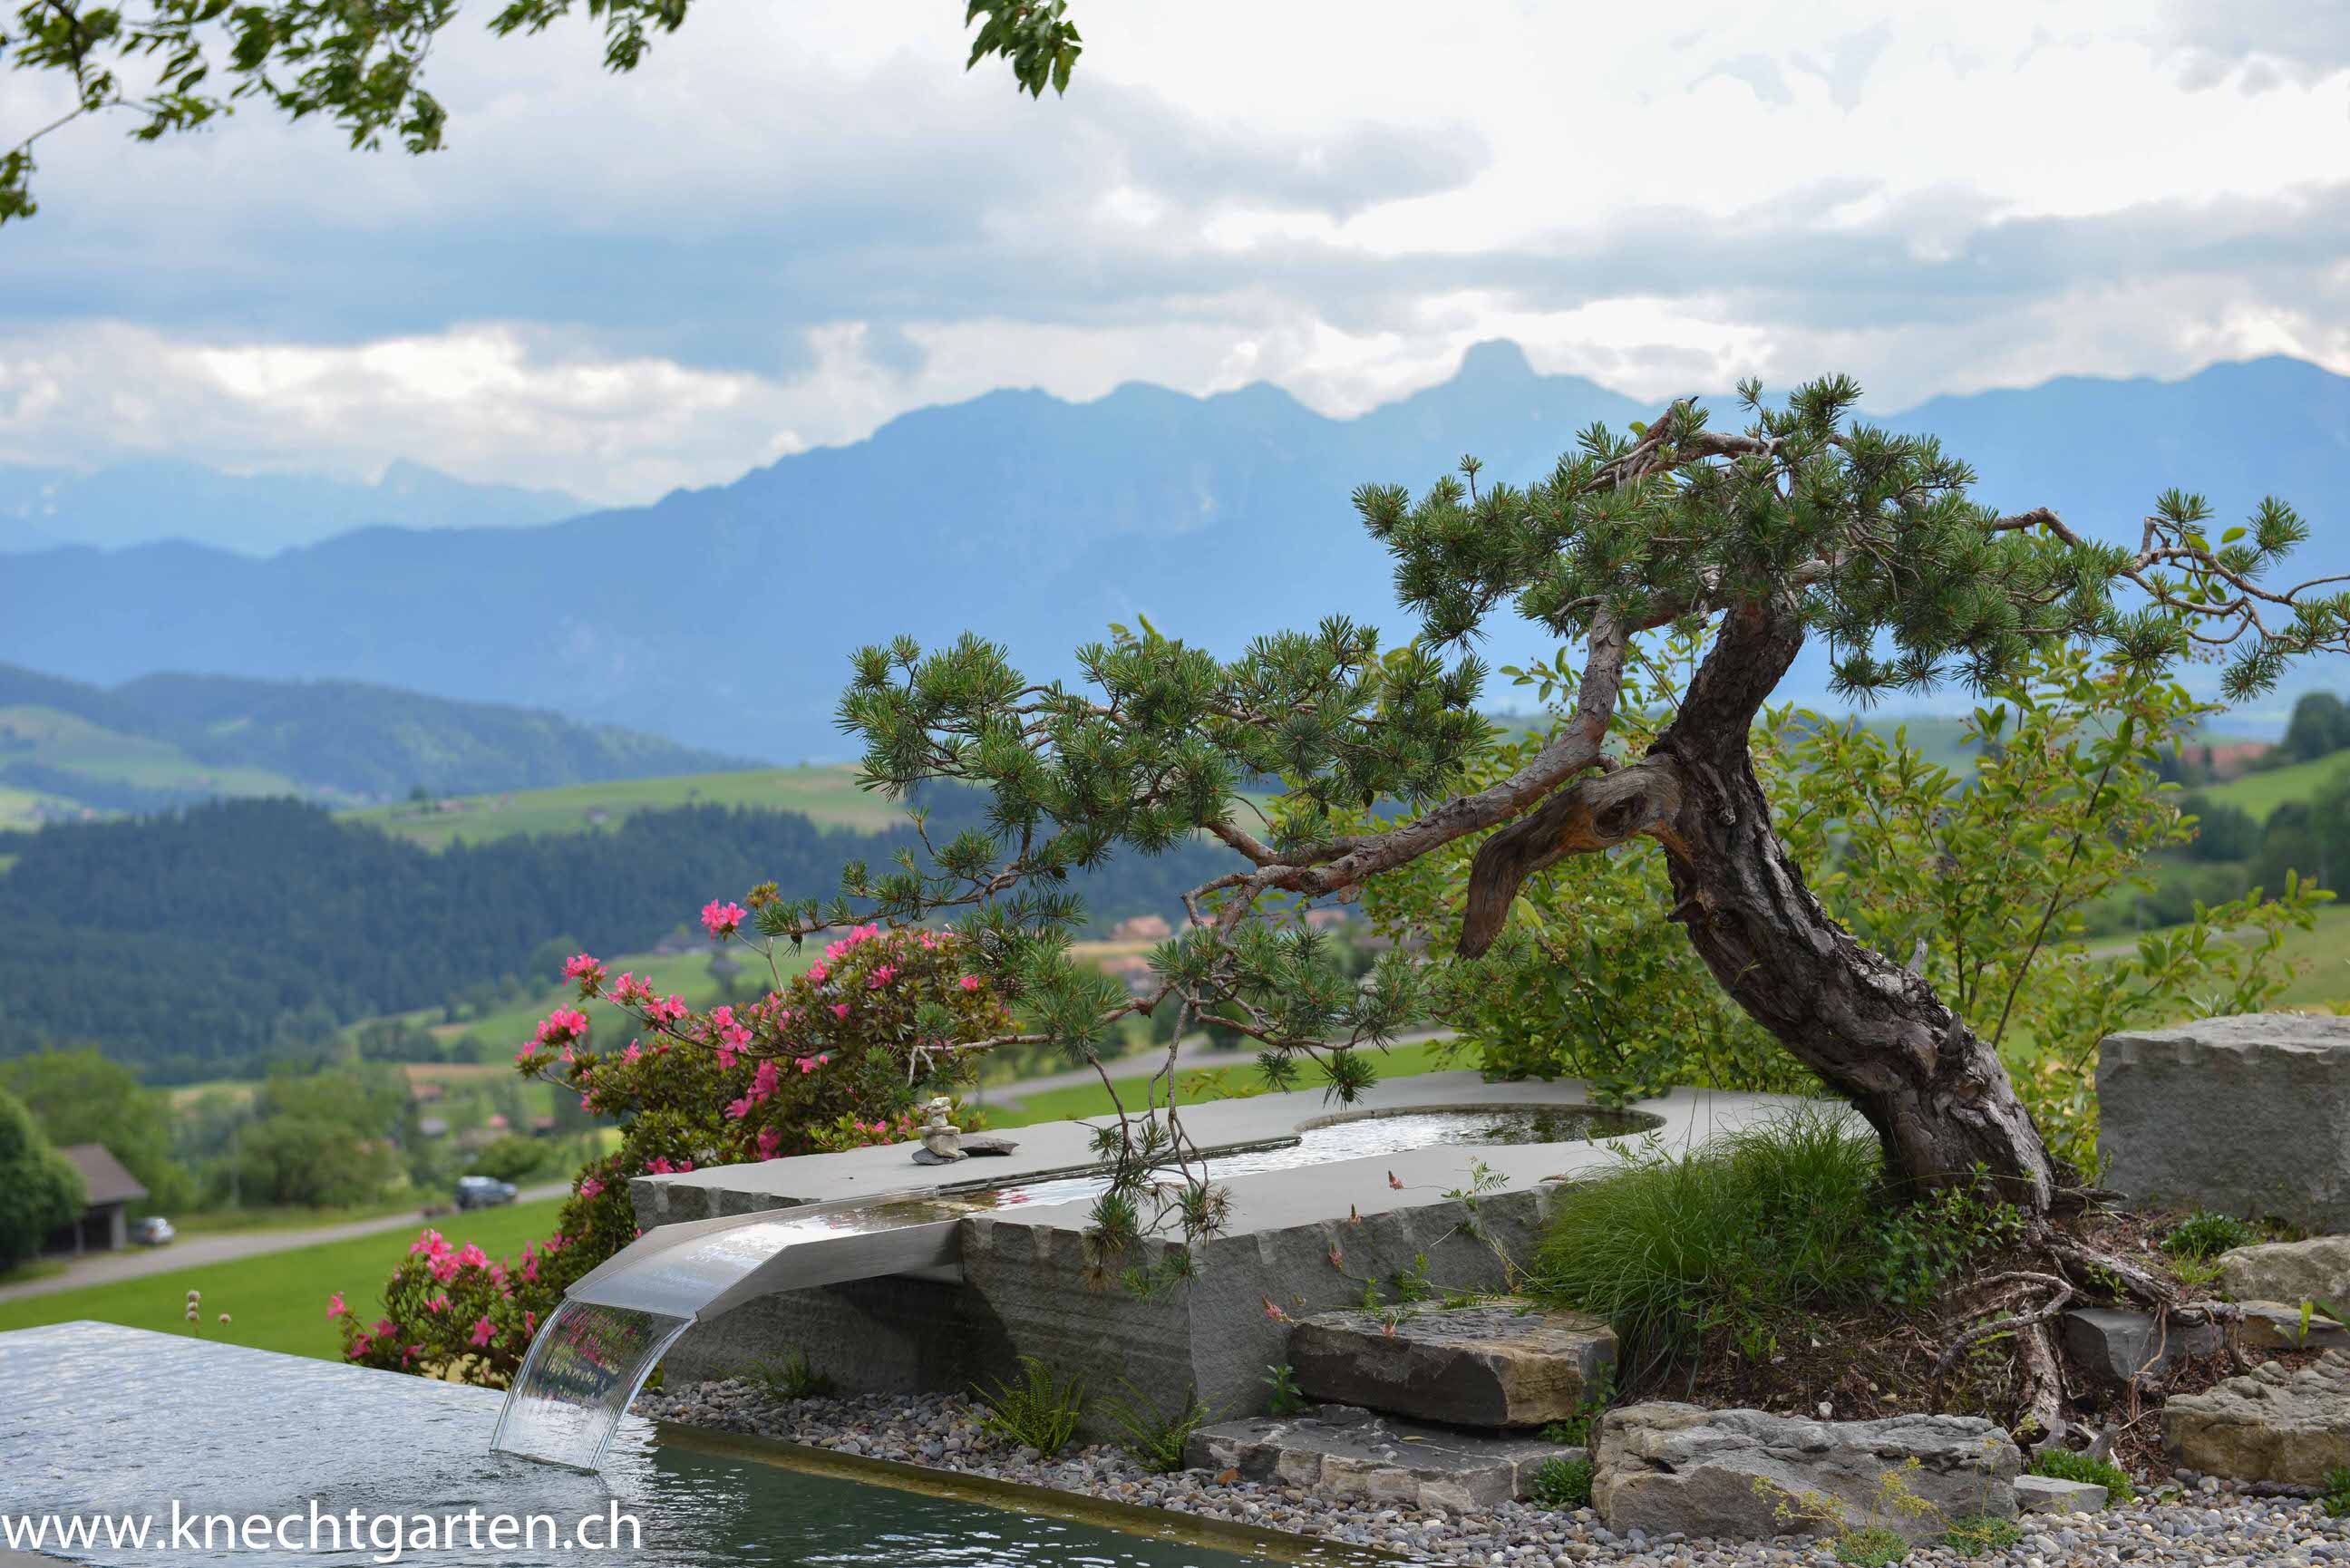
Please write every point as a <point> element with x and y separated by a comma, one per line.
<point>2205,1524</point>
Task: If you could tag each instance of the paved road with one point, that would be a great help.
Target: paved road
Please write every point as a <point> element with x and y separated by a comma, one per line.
<point>104,1268</point>
<point>1139,1064</point>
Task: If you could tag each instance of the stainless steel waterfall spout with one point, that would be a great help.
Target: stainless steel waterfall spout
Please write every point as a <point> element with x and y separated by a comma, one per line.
<point>587,1361</point>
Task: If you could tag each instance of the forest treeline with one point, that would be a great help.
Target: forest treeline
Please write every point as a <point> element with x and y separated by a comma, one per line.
<point>210,941</point>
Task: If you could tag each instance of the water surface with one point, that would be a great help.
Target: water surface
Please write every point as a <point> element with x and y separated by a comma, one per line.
<point>97,1420</point>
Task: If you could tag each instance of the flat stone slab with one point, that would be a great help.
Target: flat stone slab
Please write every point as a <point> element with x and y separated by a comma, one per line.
<point>2248,1115</point>
<point>2127,1345</point>
<point>2274,1325</point>
<point>1661,1467</point>
<point>2275,1425</point>
<point>1498,1364</point>
<point>2317,1270</point>
<point>2048,1494</point>
<point>1348,1454</point>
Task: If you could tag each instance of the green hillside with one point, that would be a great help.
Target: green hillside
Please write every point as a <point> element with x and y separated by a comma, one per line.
<point>2261,793</point>
<point>827,796</point>
<point>164,741</point>
<point>77,760</point>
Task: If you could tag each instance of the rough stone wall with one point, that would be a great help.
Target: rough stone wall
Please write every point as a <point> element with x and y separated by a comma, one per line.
<point>1028,1290</point>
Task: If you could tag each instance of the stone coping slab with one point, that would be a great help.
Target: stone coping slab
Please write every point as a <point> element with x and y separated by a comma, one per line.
<point>1498,1364</point>
<point>1268,1201</point>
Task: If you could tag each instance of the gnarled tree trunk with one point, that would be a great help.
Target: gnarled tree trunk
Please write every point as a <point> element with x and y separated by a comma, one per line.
<point>1936,1094</point>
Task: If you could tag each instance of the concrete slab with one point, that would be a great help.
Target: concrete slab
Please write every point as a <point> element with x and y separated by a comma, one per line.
<point>1685,1117</point>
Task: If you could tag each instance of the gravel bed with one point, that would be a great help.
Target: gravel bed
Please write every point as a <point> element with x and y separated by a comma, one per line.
<point>2207,1524</point>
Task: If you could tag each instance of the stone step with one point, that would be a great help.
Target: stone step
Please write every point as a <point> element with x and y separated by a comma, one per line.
<point>1498,1364</point>
<point>1743,1475</point>
<point>1345,1454</point>
<point>2052,1494</point>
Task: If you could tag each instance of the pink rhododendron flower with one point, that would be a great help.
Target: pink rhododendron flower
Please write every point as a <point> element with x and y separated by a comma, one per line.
<point>881,977</point>
<point>969,982</point>
<point>819,973</point>
<point>840,1010</point>
<point>482,1333</point>
<point>770,1140</point>
<point>738,1109</point>
<point>590,1187</point>
<point>723,920</point>
<point>561,1027</point>
<point>587,970</point>
<point>765,1081</point>
<point>335,1307</point>
<point>438,1303</point>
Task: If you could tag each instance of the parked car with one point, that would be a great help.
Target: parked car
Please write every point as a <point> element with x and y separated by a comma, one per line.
<point>153,1232</point>
<point>484,1192</point>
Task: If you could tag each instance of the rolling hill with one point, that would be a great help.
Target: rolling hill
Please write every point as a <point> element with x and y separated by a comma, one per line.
<point>826,795</point>
<point>726,616</point>
<point>68,749</point>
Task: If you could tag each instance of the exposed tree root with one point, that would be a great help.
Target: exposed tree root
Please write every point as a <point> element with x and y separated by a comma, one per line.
<point>2074,1266</point>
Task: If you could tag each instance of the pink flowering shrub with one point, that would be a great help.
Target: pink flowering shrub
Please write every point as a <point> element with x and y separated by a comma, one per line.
<point>837,1058</point>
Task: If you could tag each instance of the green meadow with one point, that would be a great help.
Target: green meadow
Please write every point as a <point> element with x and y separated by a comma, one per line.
<point>277,1301</point>
<point>828,795</point>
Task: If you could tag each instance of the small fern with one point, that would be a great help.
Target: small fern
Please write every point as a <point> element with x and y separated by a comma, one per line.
<point>2337,1498</point>
<point>1156,1441</point>
<point>1038,1411</point>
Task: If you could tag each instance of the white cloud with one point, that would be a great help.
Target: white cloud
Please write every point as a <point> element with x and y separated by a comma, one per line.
<point>796,221</point>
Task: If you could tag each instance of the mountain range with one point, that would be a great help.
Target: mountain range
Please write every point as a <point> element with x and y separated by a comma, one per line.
<point>150,501</point>
<point>724,616</point>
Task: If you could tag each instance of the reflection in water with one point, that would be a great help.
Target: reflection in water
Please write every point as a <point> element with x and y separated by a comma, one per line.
<point>100,1420</point>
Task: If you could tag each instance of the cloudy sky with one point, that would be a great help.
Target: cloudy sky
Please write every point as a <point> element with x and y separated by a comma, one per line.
<point>800,217</point>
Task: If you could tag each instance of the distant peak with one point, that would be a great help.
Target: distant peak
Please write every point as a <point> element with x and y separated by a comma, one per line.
<point>401,474</point>
<point>1495,359</point>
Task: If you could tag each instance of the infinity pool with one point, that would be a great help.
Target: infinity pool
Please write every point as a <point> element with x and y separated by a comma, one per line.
<point>100,1420</point>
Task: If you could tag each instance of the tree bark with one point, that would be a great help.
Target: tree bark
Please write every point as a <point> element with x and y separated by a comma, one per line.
<point>1938,1097</point>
